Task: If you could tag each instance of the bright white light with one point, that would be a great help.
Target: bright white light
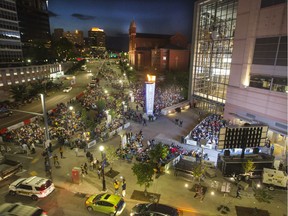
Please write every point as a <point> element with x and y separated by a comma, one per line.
<point>186,185</point>
<point>212,193</point>
<point>101,148</point>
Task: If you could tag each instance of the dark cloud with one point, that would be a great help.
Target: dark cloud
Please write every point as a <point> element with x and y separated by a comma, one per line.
<point>82,16</point>
<point>52,14</point>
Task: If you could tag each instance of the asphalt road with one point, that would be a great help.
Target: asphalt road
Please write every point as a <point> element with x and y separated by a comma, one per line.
<point>82,79</point>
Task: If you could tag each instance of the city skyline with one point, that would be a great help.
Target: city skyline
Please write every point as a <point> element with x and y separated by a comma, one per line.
<point>155,17</point>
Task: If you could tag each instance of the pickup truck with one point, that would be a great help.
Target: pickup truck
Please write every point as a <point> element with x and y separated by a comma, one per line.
<point>8,167</point>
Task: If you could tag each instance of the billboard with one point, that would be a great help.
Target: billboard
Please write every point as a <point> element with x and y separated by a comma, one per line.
<point>242,137</point>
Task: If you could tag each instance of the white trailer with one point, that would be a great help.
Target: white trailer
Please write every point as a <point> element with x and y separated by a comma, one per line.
<point>274,177</point>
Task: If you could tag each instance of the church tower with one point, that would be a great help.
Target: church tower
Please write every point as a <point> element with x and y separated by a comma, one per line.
<point>132,42</point>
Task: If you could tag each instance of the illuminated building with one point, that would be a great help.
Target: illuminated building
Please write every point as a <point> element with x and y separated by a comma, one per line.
<point>75,37</point>
<point>97,41</point>
<point>239,60</point>
<point>10,42</point>
<point>158,52</point>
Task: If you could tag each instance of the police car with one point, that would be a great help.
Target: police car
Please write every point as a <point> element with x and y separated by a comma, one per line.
<point>34,187</point>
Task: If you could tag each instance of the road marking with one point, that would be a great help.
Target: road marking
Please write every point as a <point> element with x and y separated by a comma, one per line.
<point>33,173</point>
<point>35,160</point>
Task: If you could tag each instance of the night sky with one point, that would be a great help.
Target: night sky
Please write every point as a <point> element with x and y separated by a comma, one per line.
<point>114,16</point>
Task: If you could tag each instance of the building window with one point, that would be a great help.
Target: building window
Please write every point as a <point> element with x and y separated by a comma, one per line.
<point>278,84</point>
<point>271,51</point>
<point>259,81</point>
<point>164,58</point>
<point>268,3</point>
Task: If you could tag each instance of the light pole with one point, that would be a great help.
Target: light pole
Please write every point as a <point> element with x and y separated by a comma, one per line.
<point>47,138</point>
<point>101,148</point>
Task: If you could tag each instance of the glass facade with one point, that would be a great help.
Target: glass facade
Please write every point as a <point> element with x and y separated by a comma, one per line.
<point>10,43</point>
<point>213,53</point>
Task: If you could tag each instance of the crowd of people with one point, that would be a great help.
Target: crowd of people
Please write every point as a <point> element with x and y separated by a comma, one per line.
<point>208,130</point>
<point>164,97</point>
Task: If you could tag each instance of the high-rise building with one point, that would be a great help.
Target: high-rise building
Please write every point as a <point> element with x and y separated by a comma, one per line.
<point>58,33</point>
<point>75,37</point>
<point>97,41</point>
<point>10,43</point>
<point>34,24</point>
<point>239,62</point>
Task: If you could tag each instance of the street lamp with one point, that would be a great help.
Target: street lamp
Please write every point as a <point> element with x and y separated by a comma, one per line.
<point>47,138</point>
<point>101,148</point>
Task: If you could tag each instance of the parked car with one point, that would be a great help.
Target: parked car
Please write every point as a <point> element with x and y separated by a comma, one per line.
<point>18,209</point>
<point>8,167</point>
<point>34,187</point>
<point>5,113</point>
<point>67,89</point>
<point>154,209</point>
<point>106,203</point>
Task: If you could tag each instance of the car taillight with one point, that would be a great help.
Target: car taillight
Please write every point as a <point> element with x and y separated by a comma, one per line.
<point>44,213</point>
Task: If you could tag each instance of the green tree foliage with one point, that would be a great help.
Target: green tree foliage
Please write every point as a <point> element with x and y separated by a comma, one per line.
<point>144,173</point>
<point>262,195</point>
<point>111,155</point>
<point>101,105</point>
<point>198,171</point>
<point>63,48</point>
<point>157,152</point>
<point>19,92</point>
<point>248,167</point>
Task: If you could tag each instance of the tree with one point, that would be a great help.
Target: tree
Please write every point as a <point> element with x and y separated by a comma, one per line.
<point>144,173</point>
<point>198,171</point>
<point>101,105</point>
<point>248,167</point>
<point>159,151</point>
<point>63,48</point>
<point>111,155</point>
<point>19,92</point>
<point>262,195</point>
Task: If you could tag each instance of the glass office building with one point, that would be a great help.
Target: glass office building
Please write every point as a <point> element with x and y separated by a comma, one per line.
<point>214,28</point>
<point>10,42</point>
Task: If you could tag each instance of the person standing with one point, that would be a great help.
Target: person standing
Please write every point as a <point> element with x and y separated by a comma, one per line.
<point>33,151</point>
<point>61,152</point>
<point>116,186</point>
<point>56,162</point>
<point>99,170</point>
<point>86,168</point>
<point>124,188</point>
<point>238,192</point>
<point>76,151</point>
